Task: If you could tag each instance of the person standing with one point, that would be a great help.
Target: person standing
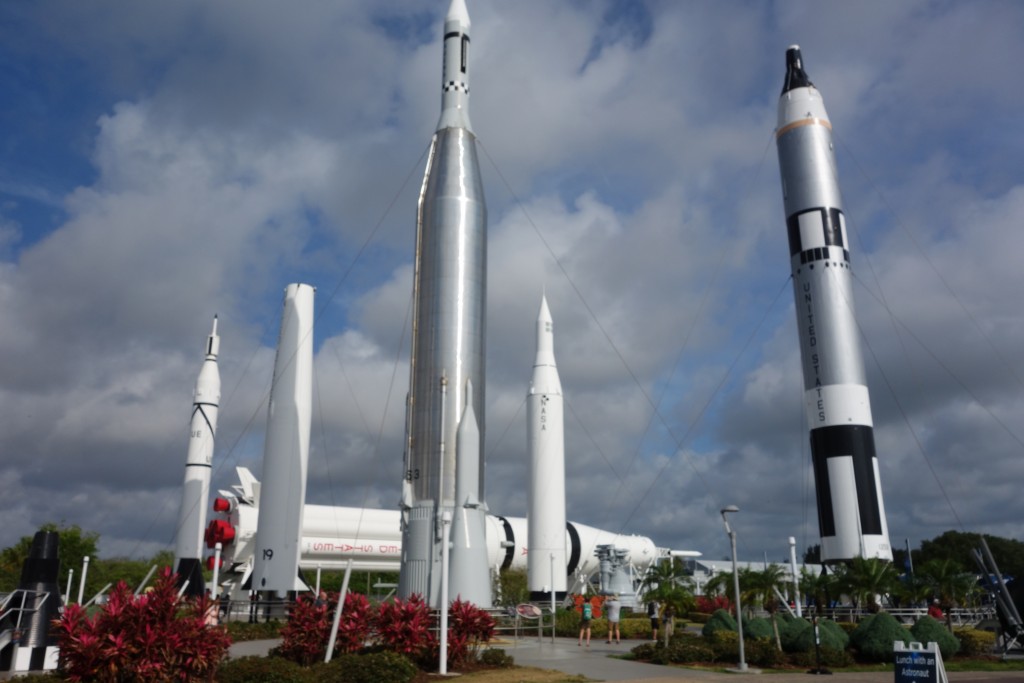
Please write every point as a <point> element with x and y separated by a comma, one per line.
<point>588,614</point>
<point>614,608</point>
<point>654,612</point>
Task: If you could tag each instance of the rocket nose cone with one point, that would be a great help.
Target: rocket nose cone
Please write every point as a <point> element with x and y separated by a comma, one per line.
<point>44,545</point>
<point>457,12</point>
<point>796,77</point>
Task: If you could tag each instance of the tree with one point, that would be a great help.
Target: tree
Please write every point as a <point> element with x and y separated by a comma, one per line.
<point>957,546</point>
<point>949,582</point>
<point>74,545</point>
<point>764,584</point>
<point>669,584</point>
<point>868,579</point>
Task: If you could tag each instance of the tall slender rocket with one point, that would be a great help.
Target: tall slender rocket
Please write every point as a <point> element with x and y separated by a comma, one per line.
<point>282,494</point>
<point>470,575</point>
<point>546,448</point>
<point>195,494</point>
<point>449,293</point>
<point>851,514</point>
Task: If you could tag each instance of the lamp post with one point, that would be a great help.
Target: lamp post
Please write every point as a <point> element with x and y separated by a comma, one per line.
<point>735,581</point>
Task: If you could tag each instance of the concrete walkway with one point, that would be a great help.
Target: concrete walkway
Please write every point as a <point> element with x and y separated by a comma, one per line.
<point>598,664</point>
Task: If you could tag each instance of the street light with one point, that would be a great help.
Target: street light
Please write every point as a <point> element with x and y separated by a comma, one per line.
<point>735,581</point>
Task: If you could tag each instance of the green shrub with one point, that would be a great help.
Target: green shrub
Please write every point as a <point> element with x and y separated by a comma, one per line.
<point>40,678</point>
<point>640,627</point>
<point>567,623</point>
<point>762,653</point>
<point>874,637</point>
<point>830,658</point>
<point>497,657</point>
<point>725,645</point>
<point>719,621</point>
<point>644,652</point>
<point>690,653</point>
<point>928,630</point>
<point>758,627</point>
<point>831,634</point>
<point>847,627</point>
<point>376,667</point>
<point>975,643</point>
<point>261,670</point>
<point>794,634</point>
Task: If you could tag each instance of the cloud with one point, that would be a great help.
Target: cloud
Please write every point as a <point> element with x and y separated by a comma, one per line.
<point>629,172</point>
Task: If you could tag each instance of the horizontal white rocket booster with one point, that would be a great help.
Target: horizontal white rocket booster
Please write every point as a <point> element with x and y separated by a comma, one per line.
<point>372,538</point>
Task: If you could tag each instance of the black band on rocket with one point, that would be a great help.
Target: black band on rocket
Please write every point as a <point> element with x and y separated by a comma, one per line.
<point>858,443</point>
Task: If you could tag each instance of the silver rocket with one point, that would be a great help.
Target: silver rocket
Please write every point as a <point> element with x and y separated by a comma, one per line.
<point>449,293</point>
<point>546,450</point>
<point>195,494</point>
<point>282,494</point>
<point>851,514</point>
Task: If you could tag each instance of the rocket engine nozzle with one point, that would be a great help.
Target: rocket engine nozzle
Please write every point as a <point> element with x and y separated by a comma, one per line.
<point>219,531</point>
<point>223,505</point>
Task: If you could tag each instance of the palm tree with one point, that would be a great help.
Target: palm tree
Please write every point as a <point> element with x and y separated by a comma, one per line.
<point>669,584</point>
<point>950,582</point>
<point>764,585</point>
<point>868,579</point>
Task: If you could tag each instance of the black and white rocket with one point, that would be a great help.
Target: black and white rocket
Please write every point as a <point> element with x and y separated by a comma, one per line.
<point>851,514</point>
<point>449,293</point>
<point>195,494</point>
<point>282,494</point>
<point>546,451</point>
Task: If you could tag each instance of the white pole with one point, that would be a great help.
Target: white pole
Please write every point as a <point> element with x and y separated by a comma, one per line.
<point>735,582</point>
<point>81,584</point>
<point>217,549</point>
<point>552,597</point>
<point>318,581</point>
<point>67,593</point>
<point>796,577</point>
<point>446,520</point>
<point>337,613</point>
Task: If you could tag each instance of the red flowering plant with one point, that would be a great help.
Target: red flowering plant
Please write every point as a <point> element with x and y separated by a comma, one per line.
<point>356,624</point>
<point>407,627</point>
<point>147,638</point>
<point>469,627</point>
<point>304,637</point>
<point>709,604</point>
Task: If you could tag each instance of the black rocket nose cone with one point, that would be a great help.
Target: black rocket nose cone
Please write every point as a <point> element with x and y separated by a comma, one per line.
<point>44,545</point>
<point>796,77</point>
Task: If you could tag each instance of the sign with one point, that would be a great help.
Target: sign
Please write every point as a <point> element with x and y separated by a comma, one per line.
<point>916,663</point>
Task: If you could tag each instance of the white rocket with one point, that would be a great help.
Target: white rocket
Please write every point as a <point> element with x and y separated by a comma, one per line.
<point>195,494</point>
<point>851,514</point>
<point>449,320</point>
<point>372,540</point>
<point>546,449</point>
<point>469,577</point>
<point>286,454</point>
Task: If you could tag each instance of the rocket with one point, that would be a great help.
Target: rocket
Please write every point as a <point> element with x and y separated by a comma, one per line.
<point>470,576</point>
<point>449,294</point>
<point>195,494</point>
<point>372,539</point>
<point>851,514</point>
<point>546,449</point>
<point>282,495</point>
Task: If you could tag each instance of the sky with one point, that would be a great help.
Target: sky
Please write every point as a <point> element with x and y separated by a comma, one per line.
<point>161,163</point>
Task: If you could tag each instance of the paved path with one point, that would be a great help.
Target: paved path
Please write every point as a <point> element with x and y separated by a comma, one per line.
<point>597,664</point>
